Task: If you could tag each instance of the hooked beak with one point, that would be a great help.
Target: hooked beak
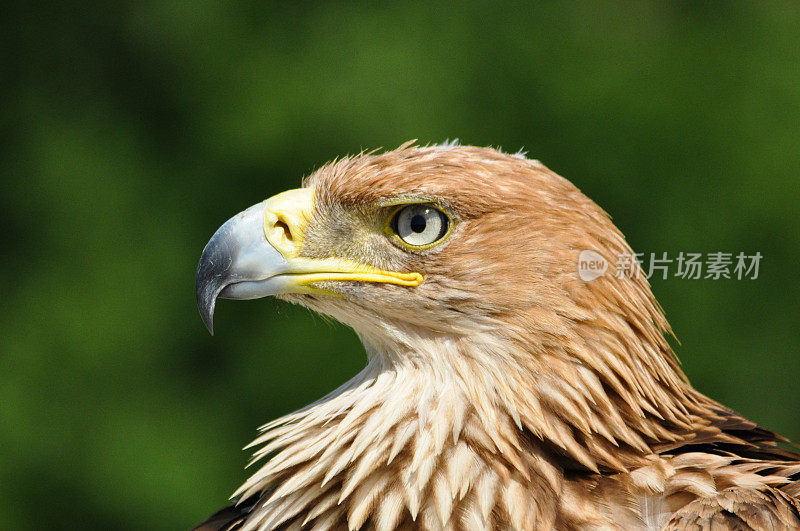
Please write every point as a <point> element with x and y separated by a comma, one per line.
<point>255,254</point>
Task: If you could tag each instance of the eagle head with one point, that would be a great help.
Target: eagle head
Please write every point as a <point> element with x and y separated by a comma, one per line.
<point>435,244</point>
<point>501,389</point>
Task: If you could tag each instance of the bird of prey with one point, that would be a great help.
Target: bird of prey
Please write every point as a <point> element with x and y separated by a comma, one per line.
<point>502,391</point>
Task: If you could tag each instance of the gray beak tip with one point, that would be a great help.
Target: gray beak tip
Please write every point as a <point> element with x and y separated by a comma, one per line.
<point>213,274</point>
<point>206,298</point>
<point>208,319</point>
<point>236,263</point>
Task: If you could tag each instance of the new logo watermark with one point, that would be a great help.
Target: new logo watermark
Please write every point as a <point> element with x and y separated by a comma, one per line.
<point>591,265</point>
<point>692,266</point>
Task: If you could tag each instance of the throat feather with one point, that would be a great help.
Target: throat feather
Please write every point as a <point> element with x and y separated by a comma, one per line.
<point>391,446</point>
<point>480,436</point>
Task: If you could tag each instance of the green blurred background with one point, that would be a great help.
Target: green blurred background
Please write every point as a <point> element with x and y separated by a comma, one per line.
<point>131,130</point>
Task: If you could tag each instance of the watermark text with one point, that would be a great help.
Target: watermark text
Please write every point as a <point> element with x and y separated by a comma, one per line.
<point>690,266</point>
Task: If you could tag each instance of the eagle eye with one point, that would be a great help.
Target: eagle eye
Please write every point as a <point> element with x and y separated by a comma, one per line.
<point>420,225</point>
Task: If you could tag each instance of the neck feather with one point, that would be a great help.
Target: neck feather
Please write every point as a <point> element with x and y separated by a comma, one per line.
<point>411,438</point>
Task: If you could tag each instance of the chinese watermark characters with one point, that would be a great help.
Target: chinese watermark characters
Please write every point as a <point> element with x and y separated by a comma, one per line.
<point>692,266</point>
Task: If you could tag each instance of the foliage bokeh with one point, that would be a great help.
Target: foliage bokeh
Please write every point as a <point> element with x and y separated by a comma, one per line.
<point>131,130</point>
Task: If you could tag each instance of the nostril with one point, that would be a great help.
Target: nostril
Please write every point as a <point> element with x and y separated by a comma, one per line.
<point>281,225</point>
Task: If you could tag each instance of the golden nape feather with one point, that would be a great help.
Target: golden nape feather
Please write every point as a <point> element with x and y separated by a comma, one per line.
<point>502,391</point>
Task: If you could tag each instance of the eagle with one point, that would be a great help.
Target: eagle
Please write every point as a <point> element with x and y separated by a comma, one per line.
<point>502,390</point>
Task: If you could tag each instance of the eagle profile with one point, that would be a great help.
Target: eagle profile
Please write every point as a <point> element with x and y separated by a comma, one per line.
<point>502,391</point>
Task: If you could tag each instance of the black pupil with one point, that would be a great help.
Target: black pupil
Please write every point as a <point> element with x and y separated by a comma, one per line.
<point>418,223</point>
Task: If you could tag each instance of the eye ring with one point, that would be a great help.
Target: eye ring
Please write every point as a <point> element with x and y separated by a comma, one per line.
<point>419,226</point>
